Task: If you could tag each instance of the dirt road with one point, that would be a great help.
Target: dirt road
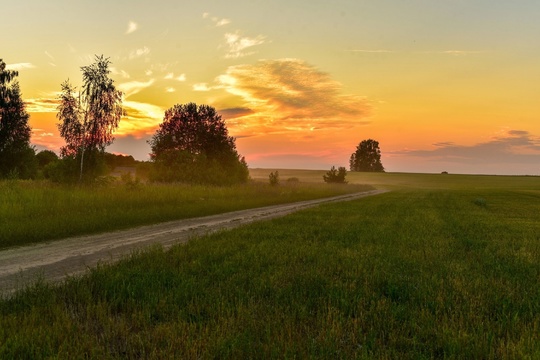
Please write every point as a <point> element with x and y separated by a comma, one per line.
<point>55,260</point>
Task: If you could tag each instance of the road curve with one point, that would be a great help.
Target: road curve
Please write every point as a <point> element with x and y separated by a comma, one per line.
<point>55,260</point>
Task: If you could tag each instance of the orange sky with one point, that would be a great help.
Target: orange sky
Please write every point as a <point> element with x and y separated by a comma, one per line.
<point>447,86</point>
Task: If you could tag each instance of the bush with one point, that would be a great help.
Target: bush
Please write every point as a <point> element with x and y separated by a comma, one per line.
<point>274,178</point>
<point>336,176</point>
<point>293,180</point>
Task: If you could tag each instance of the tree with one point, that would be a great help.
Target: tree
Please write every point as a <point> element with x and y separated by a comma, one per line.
<point>336,176</point>
<point>367,157</point>
<point>17,157</point>
<point>192,145</point>
<point>89,118</point>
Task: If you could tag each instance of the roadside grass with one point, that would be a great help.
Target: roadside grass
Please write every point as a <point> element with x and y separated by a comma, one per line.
<point>38,211</point>
<point>410,274</point>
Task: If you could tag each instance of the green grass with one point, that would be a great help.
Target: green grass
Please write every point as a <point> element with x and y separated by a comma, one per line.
<point>441,271</point>
<point>34,211</point>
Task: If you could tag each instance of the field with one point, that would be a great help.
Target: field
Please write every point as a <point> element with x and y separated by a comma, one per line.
<point>443,266</point>
<point>33,211</point>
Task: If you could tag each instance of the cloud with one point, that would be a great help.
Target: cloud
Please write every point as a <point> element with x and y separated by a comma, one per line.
<point>181,77</point>
<point>170,89</point>
<point>20,66</point>
<point>236,44</point>
<point>514,147</point>
<point>217,21</point>
<point>460,52</point>
<point>169,76</point>
<point>233,113</point>
<point>132,27</point>
<point>134,87</point>
<point>141,120</point>
<point>123,73</point>
<point>139,52</point>
<point>289,95</point>
<point>42,105</point>
<point>201,87</point>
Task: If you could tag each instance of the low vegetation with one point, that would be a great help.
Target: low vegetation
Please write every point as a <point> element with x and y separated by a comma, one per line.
<point>37,211</point>
<point>446,268</point>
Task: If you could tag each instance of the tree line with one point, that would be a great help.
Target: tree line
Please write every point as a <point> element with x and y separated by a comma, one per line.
<point>192,143</point>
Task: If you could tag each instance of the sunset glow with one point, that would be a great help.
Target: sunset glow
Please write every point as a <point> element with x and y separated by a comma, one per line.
<point>441,85</point>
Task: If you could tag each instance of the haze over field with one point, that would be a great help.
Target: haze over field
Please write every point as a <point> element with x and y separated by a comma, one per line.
<point>442,85</point>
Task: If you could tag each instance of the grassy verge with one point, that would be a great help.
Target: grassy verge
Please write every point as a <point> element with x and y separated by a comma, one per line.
<point>33,211</point>
<point>411,274</point>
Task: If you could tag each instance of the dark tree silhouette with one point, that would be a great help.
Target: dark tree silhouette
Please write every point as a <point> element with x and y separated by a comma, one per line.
<point>88,119</point>
<point>192,145</point>
<point>17,157</point>
<point>367,157</point>
<point>46,157</point>
<point>336,175</point>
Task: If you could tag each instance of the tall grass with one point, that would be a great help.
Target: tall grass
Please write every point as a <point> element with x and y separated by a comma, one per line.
<point>411,274</point>
<point>34,211</point>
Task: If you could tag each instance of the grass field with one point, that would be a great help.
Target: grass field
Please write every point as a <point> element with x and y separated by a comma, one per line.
<point>34,211</point>
<point>441,267</point>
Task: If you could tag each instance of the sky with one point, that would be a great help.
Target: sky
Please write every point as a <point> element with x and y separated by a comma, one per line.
<point>442,85</point>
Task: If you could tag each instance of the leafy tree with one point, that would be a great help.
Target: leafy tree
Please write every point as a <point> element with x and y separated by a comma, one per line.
<point>367,157</point>
<point>336,176</point>
<point>89,118</point>
<point>17,157</point>
<point>192,145</point>
<point>46,157</point>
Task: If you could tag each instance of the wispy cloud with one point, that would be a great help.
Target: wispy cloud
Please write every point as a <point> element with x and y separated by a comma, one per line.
<point>201,87</point>
<point>461,52</point>
<point>132,27</point>
<point>134,87</point>
<point>513,147</point>
<point>170,89</point>
<point>122,73</point>
<point>139,52</point>
<point>289,95</point>
<point>217,21</point>
<point>20,66</point>
<point>237,44</point>
<point>42,105</point>
<point>141,120</point>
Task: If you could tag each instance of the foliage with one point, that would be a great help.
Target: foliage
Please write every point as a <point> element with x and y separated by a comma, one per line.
<point>87,121</point>
<point>336,175</point>
<point>46,157</point>
<point>192,145</point>
<point>412,274</point>
<point>367,157</point>
<point>274,178</point>
<point>17,157</point>
<point>117,160</point>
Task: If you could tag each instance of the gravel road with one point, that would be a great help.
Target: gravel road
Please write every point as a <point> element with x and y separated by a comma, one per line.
<point>55,260</point>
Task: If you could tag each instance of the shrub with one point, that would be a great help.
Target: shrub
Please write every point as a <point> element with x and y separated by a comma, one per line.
<point>336,176</point>
<point>274,178</point>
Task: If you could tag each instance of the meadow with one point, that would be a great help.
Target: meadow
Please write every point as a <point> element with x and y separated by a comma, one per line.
<point>443,266</point>
<point>38,211</point>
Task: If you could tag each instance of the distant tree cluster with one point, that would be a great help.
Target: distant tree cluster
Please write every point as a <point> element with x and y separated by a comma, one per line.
<point>367,157</point>
<point>17,157</point>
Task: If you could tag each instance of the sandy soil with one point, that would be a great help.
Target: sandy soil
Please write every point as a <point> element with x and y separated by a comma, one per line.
<point>55,260</point>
